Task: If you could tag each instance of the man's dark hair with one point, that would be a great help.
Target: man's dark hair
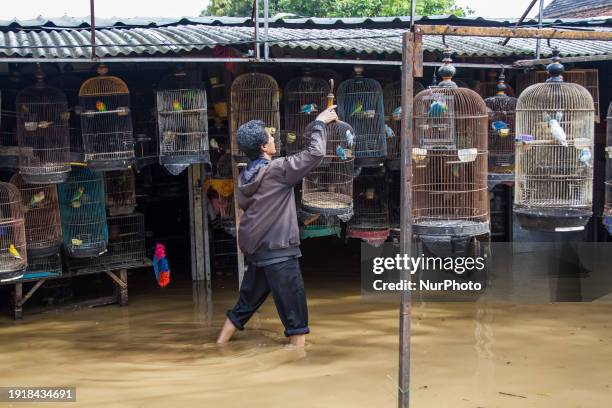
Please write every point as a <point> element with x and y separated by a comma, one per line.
<point>251,136</point>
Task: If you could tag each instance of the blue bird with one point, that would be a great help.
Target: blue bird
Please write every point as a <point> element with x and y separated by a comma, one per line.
<point>340,153</point>
<point>309,108</point>
<point>350,138</point>
<point>437,109</point>
<point>389,132</point>
<point>586,156</point>
<point>501,128</point>
<point>397,113</point>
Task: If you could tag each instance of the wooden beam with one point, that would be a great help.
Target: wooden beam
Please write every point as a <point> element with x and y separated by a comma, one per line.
<point>521,19</point>
<point>34,288</point>
<point>545,61</point>
<point>545,33</point>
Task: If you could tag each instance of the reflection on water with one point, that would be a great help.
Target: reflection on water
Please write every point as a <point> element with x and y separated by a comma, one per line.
<point>160,351</point>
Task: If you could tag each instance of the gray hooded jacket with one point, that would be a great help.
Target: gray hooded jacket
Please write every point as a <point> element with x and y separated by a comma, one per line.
<point>268,227</point>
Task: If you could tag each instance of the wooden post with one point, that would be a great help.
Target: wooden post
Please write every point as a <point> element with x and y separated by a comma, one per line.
<point>17,300</point>
<point>205,232</point>
<point>237,213</point>
<point>196,222</point>
<point>123,290</point>
<point>408,59</point>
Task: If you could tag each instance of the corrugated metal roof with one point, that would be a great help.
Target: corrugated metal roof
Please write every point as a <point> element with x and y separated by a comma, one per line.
<point>568,7</point>
<point>113,42</point>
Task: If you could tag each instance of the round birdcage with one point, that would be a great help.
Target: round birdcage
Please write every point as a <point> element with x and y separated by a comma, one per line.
<point>254,96</point>
<point>607,219</point>
<point>40,207</point>
<point>182,121</point>
<point>43,133</point>
<point>360,104</point>
<point>501,108</point>
<point>120,191</point>
<point>303,98</point>
<point>449,160</point>
<point>106,122</point>
<point>554,150</point>
<point>43,266</point>
<point>490,87</point>
<point>370,221</point>
<point>318,225</point>
<point>13,253</point>
<point>393,119</point>
<point>83,215</point>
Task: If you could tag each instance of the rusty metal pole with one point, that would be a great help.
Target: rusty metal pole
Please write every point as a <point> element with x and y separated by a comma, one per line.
<point>540,16</point>
<point>92,25</point>
<point>406,216</point>
<point>256,18</point>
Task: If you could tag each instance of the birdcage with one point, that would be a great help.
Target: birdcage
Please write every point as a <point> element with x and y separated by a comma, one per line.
<point>70,84</point>
<point>40,207</point>
<point>370,222</point>
<point>393,119</point>
<point>126,246</point>
<point>120,191</point>
<point>42,133</point>
<point>318,225</point>
<point>182,122</point>
<point>254,96</point>
<point>501,108</point>
<point>489,87</point>
<point>106,122</point>
<point>554,149</point>
<point>220,194</point>
<point>43,266</point>
<point>83,216</point>
<point>13,254</point>
<point>303,98</point>
<point>607,218</point>
<point>449,161</point>
<point>360,104</point>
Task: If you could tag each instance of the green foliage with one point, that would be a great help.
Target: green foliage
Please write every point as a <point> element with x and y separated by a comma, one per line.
<point>337,8</point>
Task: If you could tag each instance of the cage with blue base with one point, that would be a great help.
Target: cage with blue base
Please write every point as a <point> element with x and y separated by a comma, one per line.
<point>46,266</point>
<point>182,121</point>
<point>106,122</point>
<point>13,253</point>
<point>361,105</point>
<point>83,214</point>
<point>607,216</point>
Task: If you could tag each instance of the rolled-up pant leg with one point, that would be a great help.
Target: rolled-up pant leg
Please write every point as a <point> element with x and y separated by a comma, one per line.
<point>253,292</point>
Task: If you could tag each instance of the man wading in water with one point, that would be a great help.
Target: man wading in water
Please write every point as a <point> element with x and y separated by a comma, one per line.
<point>268,233</point>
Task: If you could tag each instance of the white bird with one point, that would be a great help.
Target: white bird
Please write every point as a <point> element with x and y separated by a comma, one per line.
<point>555,128</point>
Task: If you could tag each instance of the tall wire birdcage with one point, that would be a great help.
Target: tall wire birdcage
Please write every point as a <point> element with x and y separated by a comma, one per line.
<point>120,191</point>
<point>450,199</point>
<point>83,215</point>
<point>44,266</point>
<point>393,119</point>
<point>43,133</point>
<point>501,108</point>
<point>607,216</point>
<point>554,150</point>
<point>13,253</point>
<point>303,99</point>
<point>254,96</point>
<point>40,206</point>
<point>361,105</point>
<point>370,222</point>
<point>182,121</point>
<point>106,122</point>
<point>126,246</point>
<point>489,87</point>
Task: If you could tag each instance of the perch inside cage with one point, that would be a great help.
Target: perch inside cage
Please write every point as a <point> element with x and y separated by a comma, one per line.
<point>449,188</point>
<point>303,98</point>
<point>554,154</point>
<point>501,108</point>
<point>370,221</point>
<point>83,214</point>
<point>120,191</point>
<point>254,96</point>
<point>393,119</point>
<point>43,133</point>
<point>607,218</point>
<point>43,266</point>
<point>40,207</point>
<point>106,122</point>
<point>361,105</point>
<point>126,246</point>
<point>182,120</point>
<point>13,253</point>
<point>314,225</point>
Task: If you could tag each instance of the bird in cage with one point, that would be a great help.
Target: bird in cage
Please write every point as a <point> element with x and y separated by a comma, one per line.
<point>357,109</point>
<point>75,202</point>
<point>177,106</point>
<point>556,130</point>
<point>350,138</point>
<point>100,106</point>
<point>309,108</point>
<point>341,152</point>
<point>389,132</point>
<point>214,144</point>
<point>586,156</point>
<point>291,137</point>
<point>437,109</point>
<point>36,199</point>
<point>501,128</point>
<point>14,252</point>
<point>397,113</point>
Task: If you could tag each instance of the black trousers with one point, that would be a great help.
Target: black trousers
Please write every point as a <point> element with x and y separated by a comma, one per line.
<point>284,280</point>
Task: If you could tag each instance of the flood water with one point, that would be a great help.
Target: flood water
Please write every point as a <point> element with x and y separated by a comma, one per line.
<point>160,352</point>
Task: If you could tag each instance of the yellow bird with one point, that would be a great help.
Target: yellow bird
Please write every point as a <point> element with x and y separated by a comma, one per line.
<point>13,251</point>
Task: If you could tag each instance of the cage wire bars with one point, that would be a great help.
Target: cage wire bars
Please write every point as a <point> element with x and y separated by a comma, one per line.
<point>607,216</point>
<point>120,192</point>
<point>501,108</point>
<point>370,222</point>
<point>13,253</point>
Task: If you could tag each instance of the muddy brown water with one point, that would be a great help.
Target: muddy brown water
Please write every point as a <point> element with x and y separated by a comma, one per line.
<point>160,352</point>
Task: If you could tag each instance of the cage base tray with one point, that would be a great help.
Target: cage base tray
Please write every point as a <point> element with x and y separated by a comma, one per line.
<point>47,178</point>
<point>550,219</point>
<point>327,203</point>
<point>43,252</point>
<point>450,228</point>
<point>494,179</point>
<point>187,159</point>
<point>109,165</point>
<point>12,275</point>
<point>86,252</point>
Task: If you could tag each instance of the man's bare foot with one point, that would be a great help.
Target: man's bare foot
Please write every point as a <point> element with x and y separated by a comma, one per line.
<point>227,332</point>
<point>298,340</point>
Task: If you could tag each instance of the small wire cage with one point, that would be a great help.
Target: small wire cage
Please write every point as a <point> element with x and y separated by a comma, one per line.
<point>13,253</point>
<point>126,246</point>
<point>303,98</point>
<point>83,215</point>
<point>120,191</point>
<point>182,121</point>
<point>40,207</point>
<point>370,222</point>
<point>254,96</point>
<point>554,150</point>
<point>42,133</point>
<point>44,266</point>
<point>393,118</point>
<point>607,218</point>
<point>106,122</point>
<point>489,87</point>
<point>501,108</point>
<point>361,105</point>
<point>449,156</point>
